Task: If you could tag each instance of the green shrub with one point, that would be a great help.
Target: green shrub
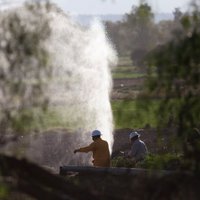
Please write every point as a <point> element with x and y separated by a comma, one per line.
<point>120,161</point>
<point>164,162</point>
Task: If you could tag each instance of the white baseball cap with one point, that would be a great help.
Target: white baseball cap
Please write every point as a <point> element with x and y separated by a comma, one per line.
<point>133,134</point>
<point>96,133</point>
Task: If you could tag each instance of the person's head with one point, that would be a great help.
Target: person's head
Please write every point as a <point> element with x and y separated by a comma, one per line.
<point>96,134</point>
<point>134,136</point>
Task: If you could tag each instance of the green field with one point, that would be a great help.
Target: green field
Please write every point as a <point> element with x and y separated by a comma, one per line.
<point>125,69</point>
<point>127,74</point>
<point>133,114</point>
<point>130,113</point>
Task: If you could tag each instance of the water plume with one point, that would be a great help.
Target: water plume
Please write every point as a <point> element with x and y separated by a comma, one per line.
<point>82,81</point>
<point>80,86</point>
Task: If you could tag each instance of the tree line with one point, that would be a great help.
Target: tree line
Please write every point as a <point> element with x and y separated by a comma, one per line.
<point>138,34</point>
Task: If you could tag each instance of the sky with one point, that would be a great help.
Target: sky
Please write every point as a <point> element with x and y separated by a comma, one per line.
<point>118,6</point>
<point>114,6</point>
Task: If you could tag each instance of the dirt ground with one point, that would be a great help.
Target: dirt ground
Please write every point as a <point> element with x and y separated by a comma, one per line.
<point>54,148</point>
<point>155,142</point>
<point>126,88</point>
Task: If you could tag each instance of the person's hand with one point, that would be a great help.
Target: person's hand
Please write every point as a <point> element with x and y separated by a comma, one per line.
<point>75,151</point>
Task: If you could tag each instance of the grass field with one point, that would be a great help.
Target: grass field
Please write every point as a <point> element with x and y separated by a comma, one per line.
<point>126,111</point>
<point>127,74</point>
<point>125,69</point>
<point>133,114</point>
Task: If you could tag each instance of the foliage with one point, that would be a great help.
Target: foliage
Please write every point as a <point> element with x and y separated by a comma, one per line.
<point>24,66</point>
<point>164,162</point>
<point>117,33</point>
<point>3,191</point>
<point>138,56</point>
<point>136,35</point>
<point>141,25</point>
<point>177,84</point>
<point>121,161</point>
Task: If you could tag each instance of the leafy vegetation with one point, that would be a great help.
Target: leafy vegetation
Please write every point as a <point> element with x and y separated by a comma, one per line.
<point>24,66</point>
<point>177,84</point>
<point>162,162</point>
<point>171,94</point>
<point>167,161</point>
<point>120,161</point>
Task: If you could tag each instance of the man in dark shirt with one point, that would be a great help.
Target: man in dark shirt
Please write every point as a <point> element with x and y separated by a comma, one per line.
<point>138,148</point>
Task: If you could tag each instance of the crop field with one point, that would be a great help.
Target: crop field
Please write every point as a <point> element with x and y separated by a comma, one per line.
<point>127,114</point>
<point>126,71</point>
<point>128,82</point>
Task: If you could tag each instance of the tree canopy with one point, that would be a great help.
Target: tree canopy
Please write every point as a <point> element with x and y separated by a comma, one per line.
<point>175,78</point>
<point>24,66</point>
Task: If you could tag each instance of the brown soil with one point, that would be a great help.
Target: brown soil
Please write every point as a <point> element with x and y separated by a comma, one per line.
<point>154,141</point>
<point>55,147</point>
<point>126,88</point>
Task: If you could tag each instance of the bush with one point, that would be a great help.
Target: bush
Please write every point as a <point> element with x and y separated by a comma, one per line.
<point>164,162</point>
<point>121,161</point>
<point>138,57</point>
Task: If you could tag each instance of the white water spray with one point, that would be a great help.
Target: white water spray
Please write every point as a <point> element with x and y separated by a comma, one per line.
<point>79,90</point>
<point>82,59</point>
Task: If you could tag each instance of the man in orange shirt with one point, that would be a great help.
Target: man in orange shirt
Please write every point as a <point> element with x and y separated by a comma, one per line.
<point>100,150</point>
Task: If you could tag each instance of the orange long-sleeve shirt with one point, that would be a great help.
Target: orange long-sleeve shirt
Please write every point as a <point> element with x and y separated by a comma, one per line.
<point>100,151</point>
